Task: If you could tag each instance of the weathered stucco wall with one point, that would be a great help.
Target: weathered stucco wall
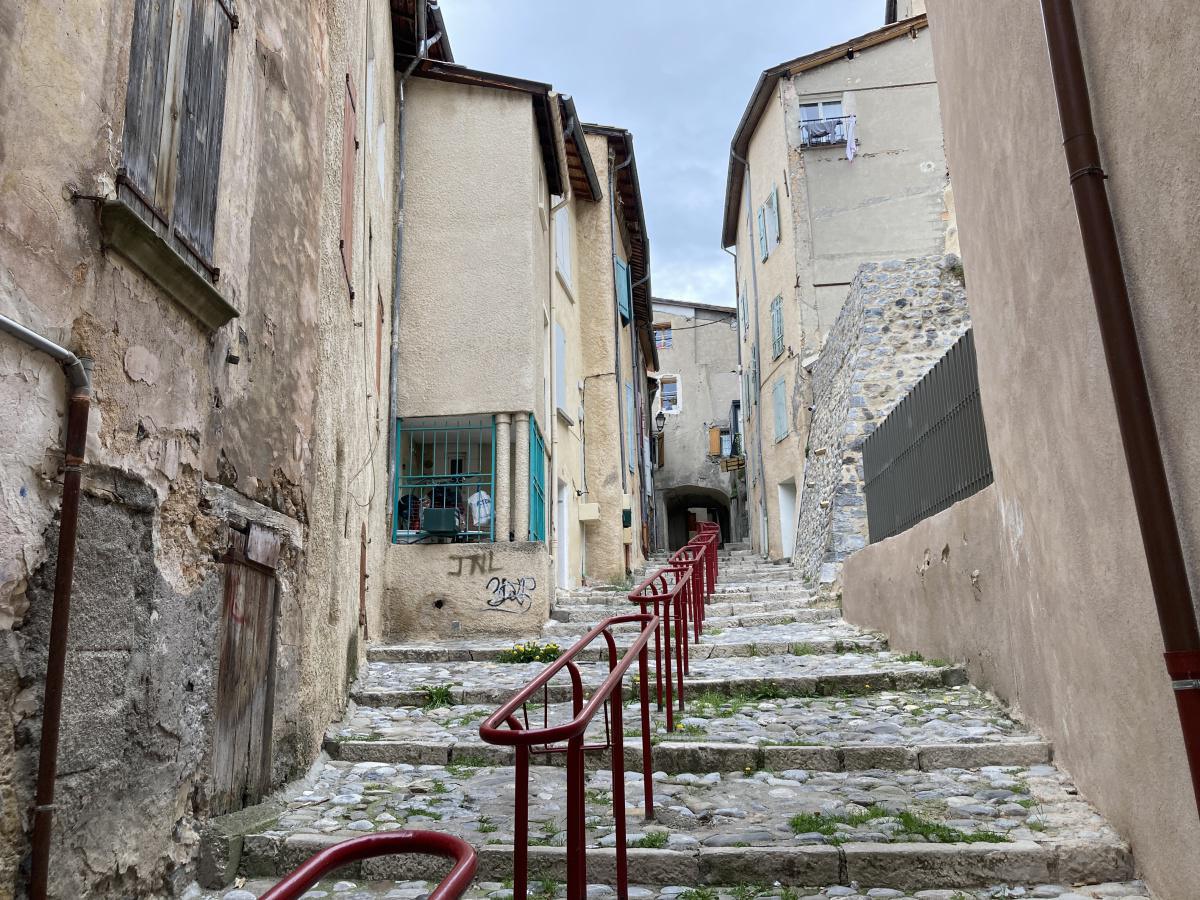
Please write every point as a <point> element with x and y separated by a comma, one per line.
<point>447,591</point>
<point>1059,619</point>
<point>602,433</point>
<point>180,413</point>
<point>473,294</point>
<point>900,318</point>
<point>703,357</point>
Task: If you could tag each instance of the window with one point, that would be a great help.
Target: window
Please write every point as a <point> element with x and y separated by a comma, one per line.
<point>822,124</point>
<point>562,244</point>
<point>779,403</point>
<point>669,394</point>
<point>349,153</point>
<point>560,369</point>
<point>768,224</point>
<point>174,120</point>
<point>662,335</point>
<point>444,479</point>
<point>624,290</point>
<point>776,327</point>
<point>726,443</point>
<point>537,483</point>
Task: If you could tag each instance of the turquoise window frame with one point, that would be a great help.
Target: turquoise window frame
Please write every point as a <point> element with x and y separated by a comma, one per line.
<point>469,439</point>
<point>537,483</point>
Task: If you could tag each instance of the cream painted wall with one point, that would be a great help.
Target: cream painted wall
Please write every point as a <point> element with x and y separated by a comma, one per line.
<point>1046,593</point>
<point>473,294</point>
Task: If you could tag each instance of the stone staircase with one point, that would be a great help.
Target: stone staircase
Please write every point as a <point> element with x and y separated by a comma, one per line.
<point>811,762</point>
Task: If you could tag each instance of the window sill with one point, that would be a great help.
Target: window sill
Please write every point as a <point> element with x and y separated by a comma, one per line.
<point>123,230</point>
<point>564,417</point>
<point>566,285</point>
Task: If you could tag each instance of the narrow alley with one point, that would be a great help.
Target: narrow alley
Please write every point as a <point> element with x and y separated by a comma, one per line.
<point>556,450</point>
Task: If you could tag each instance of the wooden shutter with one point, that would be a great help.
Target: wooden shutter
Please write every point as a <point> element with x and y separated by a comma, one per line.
<point>762,234</point>
<point>246,678</point>
<point>623,290</point>
<point>560,368</point>
<point>202,119</point>
<point>149,50</point>
<point>714,441</point>
<point>349,155</point>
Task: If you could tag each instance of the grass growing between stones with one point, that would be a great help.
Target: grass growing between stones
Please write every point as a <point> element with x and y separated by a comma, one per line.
<point>438,696</point>
<point>700,893</point>
<point>529,652</point>
<point>655,840</point>
<point>827,824</point>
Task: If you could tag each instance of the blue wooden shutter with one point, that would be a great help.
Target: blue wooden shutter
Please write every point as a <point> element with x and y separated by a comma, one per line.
<point>560,368</point>
<point>762,234</point>
<point>779,396</point>
<point>624,290</point>
<point>630,429</point>
<point>776,326</point>
<point>537,483</point>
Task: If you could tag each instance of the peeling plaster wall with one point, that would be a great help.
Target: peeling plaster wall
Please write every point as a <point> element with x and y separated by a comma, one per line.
<point>293,428</point>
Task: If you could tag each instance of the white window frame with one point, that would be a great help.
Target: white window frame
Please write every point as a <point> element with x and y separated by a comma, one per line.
<point>562,246</point>
<point>666,329</point>
<point>663,381</point>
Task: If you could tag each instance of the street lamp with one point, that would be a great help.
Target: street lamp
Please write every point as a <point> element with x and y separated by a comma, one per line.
<point>660,421</point>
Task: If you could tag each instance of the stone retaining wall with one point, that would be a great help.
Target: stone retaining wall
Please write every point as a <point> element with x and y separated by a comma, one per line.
<point>900,317</point>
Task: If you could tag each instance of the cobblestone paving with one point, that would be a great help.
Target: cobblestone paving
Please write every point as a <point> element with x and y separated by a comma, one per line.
<point>807,751</point>
<point>495,890</point>
<point>933,716</point>
<point>731,809</point>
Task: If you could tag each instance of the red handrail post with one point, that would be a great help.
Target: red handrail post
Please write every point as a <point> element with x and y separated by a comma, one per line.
<point>521,825</point>
<point>576,843</point>
<point>618,796</point>
<point>647,745</point>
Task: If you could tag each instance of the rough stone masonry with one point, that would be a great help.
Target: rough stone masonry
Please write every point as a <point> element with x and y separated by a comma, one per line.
<point>900,317</point>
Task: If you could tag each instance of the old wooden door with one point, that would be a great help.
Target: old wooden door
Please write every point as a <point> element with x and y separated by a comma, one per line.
<point>246,678</point>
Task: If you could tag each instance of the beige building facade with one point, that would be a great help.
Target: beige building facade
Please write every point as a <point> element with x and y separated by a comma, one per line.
<point>1040,582</point>
<point>519,281</point>
<point>199,198</point>
<point>699,465</point>
<point>837,161</point>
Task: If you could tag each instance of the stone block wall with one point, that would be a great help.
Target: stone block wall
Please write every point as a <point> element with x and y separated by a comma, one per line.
<point>899,318</point>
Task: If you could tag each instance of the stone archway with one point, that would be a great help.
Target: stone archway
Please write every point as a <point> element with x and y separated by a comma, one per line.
<point>679,503</point>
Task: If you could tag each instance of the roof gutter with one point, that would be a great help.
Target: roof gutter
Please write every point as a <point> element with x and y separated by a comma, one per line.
<point>1127,376</point>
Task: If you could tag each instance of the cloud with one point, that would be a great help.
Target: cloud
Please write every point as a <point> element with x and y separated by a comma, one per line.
<point>678,75</point>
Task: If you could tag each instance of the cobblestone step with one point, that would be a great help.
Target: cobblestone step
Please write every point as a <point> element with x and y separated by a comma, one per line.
<point>925,729</point>
<point>748,636</point>
<point>907,830</point>
<point>412,684</point>
<point>719,605</point>
<point>357,889</point>
<point>719,615</point>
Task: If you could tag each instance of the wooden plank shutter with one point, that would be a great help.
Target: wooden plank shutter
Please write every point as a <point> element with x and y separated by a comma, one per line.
<point>623,290</point>
<point>349,154</point>
<point>714,441</point>
<point>246,678</point>
<point>762,233</point>
<point>202,120</point>
<point>149,49</point>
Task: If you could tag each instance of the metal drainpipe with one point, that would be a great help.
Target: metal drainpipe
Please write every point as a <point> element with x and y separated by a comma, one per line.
<point>740,372</point>
<point>79,398</point>
<point>423,47</point>
<point>612,239</point>
<point>1127,375</point>
<point>758,415</point>
<point>552,413</point>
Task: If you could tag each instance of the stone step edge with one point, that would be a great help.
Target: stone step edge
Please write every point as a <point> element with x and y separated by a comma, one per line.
<point>819,646</point>
<point>678,757</point>
<point>781,686</point>
<point>901,866</point>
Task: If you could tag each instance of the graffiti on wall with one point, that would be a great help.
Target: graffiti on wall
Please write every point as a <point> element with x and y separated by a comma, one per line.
<point>474,563</point>
<point>511,594</point>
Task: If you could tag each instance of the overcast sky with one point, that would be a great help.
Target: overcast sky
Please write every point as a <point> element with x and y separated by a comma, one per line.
<point>678,75</point>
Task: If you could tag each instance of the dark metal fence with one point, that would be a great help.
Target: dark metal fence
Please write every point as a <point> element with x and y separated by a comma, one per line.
<point>931,451</point>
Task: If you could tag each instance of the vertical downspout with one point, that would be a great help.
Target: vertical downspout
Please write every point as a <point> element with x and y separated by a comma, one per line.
<point>423,47</point>
<point>1127,376</point>
<point>758,415</point>
<point>552,413</point>
<point>78,372</point>
<point>740,370</point>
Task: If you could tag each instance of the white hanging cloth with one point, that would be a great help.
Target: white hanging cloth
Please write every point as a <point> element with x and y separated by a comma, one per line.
<point>851,147</point>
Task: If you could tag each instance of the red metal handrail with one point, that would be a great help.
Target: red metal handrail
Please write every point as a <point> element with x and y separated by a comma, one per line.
<point>433,843</point>
<point>504,728</point>
<point>670,594</point>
